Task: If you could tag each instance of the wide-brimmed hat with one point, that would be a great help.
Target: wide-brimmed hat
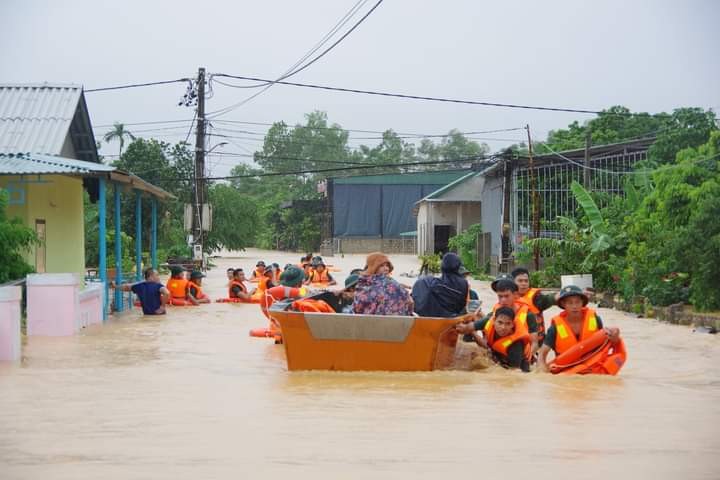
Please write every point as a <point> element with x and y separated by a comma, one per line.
<point>260,263</point>
<point>374,260</point>
<point>317,261</point>
<point>571,291</point>
<point>463,271</point>
<point>196,274</point>
<point>504,278</point>
<point>292,277</point>
<point>351,281</point>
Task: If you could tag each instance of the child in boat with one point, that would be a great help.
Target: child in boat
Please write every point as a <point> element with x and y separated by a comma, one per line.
<point>506,338</point>
<point>194,291</point>
<point>575,324</point>
<point>152,294</point>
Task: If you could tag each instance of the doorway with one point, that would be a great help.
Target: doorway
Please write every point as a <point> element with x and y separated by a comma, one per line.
<point>40,250</point>
<point>442,237</point>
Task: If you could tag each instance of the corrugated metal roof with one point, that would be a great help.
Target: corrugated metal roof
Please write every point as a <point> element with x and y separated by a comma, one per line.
<point>37,118</point>
<point>448,187</point>
<point>39,164</point>
<point>413,178</point>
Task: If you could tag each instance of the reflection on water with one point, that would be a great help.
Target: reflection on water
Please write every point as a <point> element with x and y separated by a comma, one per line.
<point>190,395</point>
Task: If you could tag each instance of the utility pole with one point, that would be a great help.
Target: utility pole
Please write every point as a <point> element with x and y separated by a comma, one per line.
<point>535,207</point>
<point>506,228</point>
<point>586,170</point>
<point>200,189</point>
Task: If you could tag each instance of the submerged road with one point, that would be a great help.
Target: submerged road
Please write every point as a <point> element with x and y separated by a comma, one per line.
<point>190,395</point>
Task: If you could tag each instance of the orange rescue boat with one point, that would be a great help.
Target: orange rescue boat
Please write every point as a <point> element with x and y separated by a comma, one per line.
<point>350,342</point>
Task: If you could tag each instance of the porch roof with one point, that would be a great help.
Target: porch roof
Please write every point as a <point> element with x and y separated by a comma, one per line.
<point>39,164</point>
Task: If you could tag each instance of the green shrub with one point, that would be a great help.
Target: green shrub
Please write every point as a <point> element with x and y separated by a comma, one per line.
<point>430,263</point>
<point>465,244</point>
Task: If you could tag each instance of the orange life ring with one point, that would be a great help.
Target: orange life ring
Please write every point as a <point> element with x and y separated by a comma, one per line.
<point>593,355</point>
<point>266,333</point>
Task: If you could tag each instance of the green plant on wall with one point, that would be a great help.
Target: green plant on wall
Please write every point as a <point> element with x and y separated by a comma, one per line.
<point>15,238</point>
<point>465,244</point>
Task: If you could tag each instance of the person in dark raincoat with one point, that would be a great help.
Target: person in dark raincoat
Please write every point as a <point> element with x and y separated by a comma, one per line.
<point>446,296</point>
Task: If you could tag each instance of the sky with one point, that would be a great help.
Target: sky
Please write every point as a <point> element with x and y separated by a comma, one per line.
<point>650,56</point>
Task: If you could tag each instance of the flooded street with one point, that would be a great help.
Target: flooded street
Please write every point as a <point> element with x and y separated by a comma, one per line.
<point>191,395</point>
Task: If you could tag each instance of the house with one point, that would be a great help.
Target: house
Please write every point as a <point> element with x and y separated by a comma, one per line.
<point>448,211</point>
<point>375,212</point>
<point>51,125</point>
<point>48,158</point>
<point>506,207</point>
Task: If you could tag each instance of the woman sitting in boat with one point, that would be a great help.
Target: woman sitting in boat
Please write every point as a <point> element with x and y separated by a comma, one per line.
<point>446,296</point>
<point>377,293</point>
<point>578,324</point>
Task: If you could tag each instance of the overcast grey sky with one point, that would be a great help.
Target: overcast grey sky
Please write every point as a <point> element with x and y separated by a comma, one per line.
<point>647,55</point>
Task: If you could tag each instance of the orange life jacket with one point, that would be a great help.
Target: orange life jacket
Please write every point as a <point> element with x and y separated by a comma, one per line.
<point>199,293</point>
<point>527,299</point>
<point>319,277</point>
<point>596,354</point>
<point>500,345</point>
<point>312,305</point>
<point>565,337</point>
<point>278,293</point>
<point>233,284</point>
<point>177,287</point>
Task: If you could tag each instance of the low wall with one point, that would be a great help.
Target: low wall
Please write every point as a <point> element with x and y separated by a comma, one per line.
<point>10,298</point>
<point>57,307</point>
<point>367,245</point>
<point>678,314</point>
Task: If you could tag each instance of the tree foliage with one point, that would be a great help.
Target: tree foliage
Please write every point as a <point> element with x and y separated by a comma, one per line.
<point>15,239</point>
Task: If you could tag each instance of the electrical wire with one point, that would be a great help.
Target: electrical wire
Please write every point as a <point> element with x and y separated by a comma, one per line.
<point>226,110</point>
<point>135,85</point>
<point>425,98</point>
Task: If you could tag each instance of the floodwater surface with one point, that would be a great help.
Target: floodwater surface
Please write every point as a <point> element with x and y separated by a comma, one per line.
<point>191,395</point>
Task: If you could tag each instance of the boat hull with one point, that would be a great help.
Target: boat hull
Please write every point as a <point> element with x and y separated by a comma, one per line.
<point>325,341</point>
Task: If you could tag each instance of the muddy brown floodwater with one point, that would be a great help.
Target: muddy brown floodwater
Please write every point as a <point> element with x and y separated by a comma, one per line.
<point>190,395</point>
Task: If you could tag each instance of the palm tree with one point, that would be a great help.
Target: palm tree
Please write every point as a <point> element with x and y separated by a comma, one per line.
<point>118,132</point>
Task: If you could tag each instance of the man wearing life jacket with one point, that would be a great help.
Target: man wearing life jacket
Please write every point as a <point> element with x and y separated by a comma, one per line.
<point>506,291</point>
<point>259,271</point>
<point>319,274</point>
<point>507,338</point>
<point>290,287</point>
<point>194,291</point>
<point>532,297</point>
<point>230,272</point>
<point>575,324</point>
<point>177,283</point>
<point>237,287</point>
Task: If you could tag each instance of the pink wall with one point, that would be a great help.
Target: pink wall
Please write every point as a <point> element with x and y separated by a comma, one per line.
<point>57,307</point>
<point>10,323</point>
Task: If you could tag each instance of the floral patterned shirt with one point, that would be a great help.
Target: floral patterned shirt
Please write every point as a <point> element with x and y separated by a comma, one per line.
<point>381,295</point>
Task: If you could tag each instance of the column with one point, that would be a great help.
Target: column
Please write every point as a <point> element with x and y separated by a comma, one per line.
<point>102,242</point>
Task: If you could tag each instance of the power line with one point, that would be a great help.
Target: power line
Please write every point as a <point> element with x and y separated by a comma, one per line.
<point>136,85</point>
<point>299,69</point>
<point>426,98</point>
